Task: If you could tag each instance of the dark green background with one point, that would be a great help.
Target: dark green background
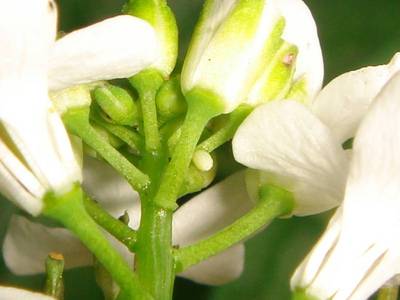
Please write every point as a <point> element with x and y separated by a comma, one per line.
<point>353,34</point>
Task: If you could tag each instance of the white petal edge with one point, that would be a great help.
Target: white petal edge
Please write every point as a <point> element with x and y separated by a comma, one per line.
<point>118,47</point>
<point>104,185</point>
<point>205,214</point>
<point>27,245</point>
<point>301,31</point>
<point>11,293</point>
<point>296,151</point>
<point>342,104</point>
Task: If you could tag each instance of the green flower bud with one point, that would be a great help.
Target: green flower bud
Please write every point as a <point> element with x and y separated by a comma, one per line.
<point>160,16</point>
<point>170,100</point>
<point>117,104</point>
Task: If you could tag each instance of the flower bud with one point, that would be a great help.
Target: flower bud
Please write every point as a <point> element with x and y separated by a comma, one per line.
<point>117,104</point>
<point>170,101</point>
<point>161,18</point>
<point>248,51</point>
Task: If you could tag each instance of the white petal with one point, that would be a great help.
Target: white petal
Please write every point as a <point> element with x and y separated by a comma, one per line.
<point>297,152</point>
<point>213,14</point>
<point>204,215</point>
<point>42,140</point>
<point>27,245</point>
<point>27,29</point>
<point>366,253</point>
<point>118,47</point>
<point>310,266</point>
<point>104,185</point>
<point>301,31</point>
<point>219,269</point>
<point>12,189</point>
<point>10,293</point>
<point>342,104</point>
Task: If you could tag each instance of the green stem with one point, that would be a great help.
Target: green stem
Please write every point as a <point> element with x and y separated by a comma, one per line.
<point>77,121</point>
<point>154,251</point>
<point>227,132</point>
<point>202,106</point>
<point>274,202</point>
<point>128,136</point>
<point>388,293</point>
<point>54,285</point>
<point>69,210</point>
<point>147,83</point>
<point>118,229</point>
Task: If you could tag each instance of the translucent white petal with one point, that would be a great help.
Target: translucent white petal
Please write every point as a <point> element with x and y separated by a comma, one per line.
<point>342,104</point>
<point>298,152</point>
<point>111,190</point>
<point>10,293</point>
<point>204,215</point>
<point>219,269</point>
<point>118,47</point>
<point>301,31</point>
<point>27,245</point>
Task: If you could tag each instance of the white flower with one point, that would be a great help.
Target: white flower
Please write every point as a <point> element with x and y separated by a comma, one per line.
<point>10,293</point>
<point>359,251</point>
<point>35,151</point>
<point>300,148</point>
<point>236,44</point>
<point>27,244</point>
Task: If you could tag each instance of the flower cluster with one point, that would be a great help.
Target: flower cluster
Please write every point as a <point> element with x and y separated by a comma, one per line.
<point>253,73</point>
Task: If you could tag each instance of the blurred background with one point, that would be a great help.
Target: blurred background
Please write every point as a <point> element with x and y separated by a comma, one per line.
<point>353,33</point>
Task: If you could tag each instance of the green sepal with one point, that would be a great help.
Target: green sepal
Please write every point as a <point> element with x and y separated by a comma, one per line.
<point>161,17</point>
<point>117,104</point>
<point>277,78</point>
<point>299,91</point>
<point>300,294</point>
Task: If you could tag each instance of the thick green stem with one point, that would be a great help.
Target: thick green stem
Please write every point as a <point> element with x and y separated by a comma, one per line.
<point>227,132</point>
<point>388,293</point>
<point>147,83</point>
<point>155,264</point>
<point>118,229</point>
<point>274,202</point>
<point>69,210</point>
<point>77,121</point>
<point>202,106</point>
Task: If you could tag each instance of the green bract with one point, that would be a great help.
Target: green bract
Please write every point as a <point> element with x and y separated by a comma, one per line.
<point>160,16</point>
